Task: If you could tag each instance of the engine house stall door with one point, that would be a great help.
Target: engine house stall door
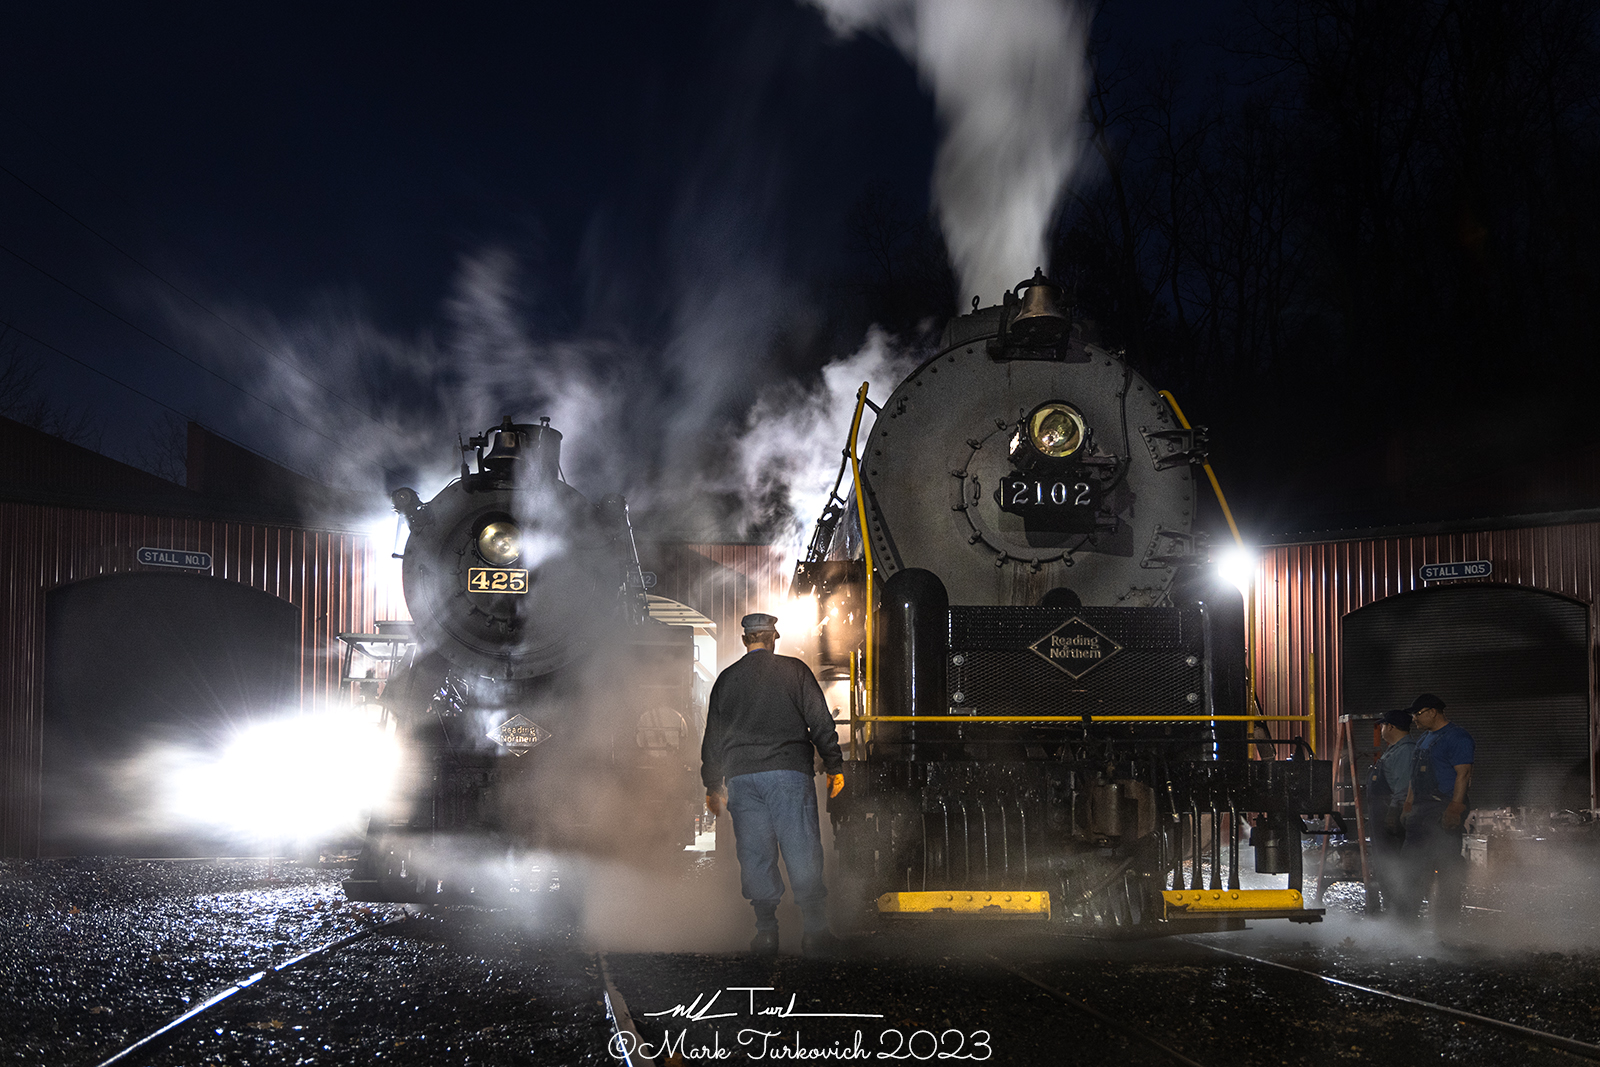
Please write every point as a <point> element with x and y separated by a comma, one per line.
<point>1513,665</point>
<point>140,667</point>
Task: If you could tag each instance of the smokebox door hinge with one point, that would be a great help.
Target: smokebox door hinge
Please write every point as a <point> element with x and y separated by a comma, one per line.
<point>1175,548</point>
<point>1176,448</point>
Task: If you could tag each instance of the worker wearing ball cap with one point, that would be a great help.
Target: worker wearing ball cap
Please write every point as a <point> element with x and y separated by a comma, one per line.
<point>1387,786</point>
<point>1435,806</point>
<point>766,717</point>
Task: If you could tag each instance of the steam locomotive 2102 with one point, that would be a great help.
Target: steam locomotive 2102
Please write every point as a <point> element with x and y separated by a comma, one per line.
<point>540,709</point>
<point>1050,697</point>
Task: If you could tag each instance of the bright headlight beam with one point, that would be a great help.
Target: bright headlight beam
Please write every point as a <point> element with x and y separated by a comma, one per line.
<point>298,777</point>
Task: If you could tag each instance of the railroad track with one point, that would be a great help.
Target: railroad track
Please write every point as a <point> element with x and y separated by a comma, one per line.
<point>1140,1034</point>
<point>1526,1033</point>
<point>1126,1029</point>
<point>625,1043</point>
<point>164,1033</point>
<point>624,1037</point>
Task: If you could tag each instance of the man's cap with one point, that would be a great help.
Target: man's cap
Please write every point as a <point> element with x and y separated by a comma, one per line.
<point>759,623</point>
<point>1399,718</point>
<point>1426,700</point>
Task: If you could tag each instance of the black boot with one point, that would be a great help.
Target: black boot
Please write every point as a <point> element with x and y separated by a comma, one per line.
<point>765,943</point>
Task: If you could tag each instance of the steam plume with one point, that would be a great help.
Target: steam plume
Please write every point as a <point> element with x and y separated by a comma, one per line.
<point>628,426</point>
<point>1008,80</point>
<point>789,450</point>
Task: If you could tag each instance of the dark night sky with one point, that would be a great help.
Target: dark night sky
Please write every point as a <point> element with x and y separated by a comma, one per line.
<point>274,156</point>
<point>277,162</point>
<point>283,153</point>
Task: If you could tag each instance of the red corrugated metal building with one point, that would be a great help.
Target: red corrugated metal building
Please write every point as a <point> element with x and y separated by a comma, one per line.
<point>71,519</point>
<point>1349,622</point>
<point>68,515</point>
<point>724,582</point>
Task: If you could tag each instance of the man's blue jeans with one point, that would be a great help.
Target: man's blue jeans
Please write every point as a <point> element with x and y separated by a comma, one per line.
<point>773,812</point>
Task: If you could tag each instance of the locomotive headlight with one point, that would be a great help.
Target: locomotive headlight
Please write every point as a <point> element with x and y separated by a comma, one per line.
<point>500,543</point>
<point>1056,430</point>
<point>298,777</point>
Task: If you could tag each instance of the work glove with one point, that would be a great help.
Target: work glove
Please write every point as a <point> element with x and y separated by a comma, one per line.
<point>835,784</point>
<point>715,802</point>
<point>1451,819</point>
<point>1391,822</point>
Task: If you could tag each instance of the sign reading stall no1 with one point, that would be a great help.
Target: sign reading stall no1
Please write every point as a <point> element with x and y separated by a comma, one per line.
<point>175,557</point>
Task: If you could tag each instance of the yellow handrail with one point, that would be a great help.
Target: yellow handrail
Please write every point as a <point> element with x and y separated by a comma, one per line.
<point>1216,486</point>
<point>866,548</point>
<point>1250,604</point>
<point>1311,697</point>
<point>959,719</point>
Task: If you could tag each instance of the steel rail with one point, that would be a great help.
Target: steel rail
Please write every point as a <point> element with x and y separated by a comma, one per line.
<point>156,1037</point>
<point>625,1049</point>
<point>1099,1016</point>
<point>1543,1037</point>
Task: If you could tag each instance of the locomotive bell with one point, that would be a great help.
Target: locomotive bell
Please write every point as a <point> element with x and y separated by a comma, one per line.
<point>1042,317</point>
<point>518,442</point>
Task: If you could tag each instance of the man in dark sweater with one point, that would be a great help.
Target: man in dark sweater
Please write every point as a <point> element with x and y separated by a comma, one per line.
<point>766,717</point>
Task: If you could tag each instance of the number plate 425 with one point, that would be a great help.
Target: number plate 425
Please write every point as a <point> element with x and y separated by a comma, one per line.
<point>496,580</point>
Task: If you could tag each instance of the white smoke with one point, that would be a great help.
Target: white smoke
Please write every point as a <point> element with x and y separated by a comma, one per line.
<point>1008,79</point>
<point>789,451</point>
<point>408,398</point>
<point>653,421</point>
<point>651,424</point>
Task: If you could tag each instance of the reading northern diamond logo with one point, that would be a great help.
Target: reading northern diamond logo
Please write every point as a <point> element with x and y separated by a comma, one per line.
<point>518,733</point>
<point>1075,648</point>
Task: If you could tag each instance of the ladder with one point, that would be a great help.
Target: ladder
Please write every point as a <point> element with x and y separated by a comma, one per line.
<point>1347,795</point>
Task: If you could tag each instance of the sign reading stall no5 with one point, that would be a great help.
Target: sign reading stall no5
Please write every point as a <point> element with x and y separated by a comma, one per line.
<point>1440,572</point>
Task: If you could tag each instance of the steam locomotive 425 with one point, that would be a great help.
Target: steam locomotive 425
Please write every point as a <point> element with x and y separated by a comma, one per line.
<point>540,709</point>
<point>1049,697</point>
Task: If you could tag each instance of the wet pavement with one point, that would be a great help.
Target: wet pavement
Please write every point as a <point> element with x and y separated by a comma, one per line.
<point>959,993</point>
<point>94,953</point>
<point>461,987</point>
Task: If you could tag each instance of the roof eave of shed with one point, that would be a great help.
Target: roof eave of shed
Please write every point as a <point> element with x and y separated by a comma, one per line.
<point>1435,527</point>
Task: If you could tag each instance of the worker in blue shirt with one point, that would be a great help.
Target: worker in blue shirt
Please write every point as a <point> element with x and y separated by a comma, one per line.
<point>1435,807</point>
<point>766,723</point>
<point>1387,787</point>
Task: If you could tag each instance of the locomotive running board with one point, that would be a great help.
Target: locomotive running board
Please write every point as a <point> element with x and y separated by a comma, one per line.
<point>1016,904</point>
<point>1239,904</point>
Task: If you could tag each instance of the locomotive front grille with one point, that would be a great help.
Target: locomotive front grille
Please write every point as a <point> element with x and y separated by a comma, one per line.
<point>1133,661</point>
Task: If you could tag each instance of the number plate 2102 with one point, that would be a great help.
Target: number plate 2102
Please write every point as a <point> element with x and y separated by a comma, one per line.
<point>496,580</point>
<point>1020,494</point>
